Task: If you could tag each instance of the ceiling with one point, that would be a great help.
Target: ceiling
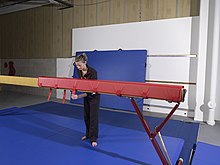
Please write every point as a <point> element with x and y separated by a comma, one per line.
<point>9,6</point>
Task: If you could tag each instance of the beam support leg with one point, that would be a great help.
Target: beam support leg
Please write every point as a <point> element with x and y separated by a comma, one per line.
<point>150,134</point>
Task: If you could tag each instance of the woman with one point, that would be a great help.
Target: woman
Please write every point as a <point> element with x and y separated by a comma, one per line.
<point>91,100</point>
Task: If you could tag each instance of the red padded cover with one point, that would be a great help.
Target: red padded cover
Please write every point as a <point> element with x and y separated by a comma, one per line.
<point>172,93</point>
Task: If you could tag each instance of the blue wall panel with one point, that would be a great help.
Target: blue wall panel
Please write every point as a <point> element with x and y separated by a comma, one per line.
<point>120,65</point>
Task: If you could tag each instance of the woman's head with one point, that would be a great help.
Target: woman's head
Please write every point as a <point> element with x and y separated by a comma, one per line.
<point>81,61</point>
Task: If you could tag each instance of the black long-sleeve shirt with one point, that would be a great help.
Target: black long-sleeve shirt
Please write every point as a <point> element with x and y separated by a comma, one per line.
<point>92,75</point>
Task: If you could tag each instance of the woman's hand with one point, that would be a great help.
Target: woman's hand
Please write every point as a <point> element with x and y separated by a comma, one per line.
<point>74,97</point>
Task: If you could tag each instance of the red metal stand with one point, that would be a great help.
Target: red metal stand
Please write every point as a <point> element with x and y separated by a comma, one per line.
<point>49,96</point>
<point>150,133</point>
<point>180,161</point>
<point>64,96</point>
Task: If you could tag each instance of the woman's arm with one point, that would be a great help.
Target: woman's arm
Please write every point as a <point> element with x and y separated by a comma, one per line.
<point>74,96</point>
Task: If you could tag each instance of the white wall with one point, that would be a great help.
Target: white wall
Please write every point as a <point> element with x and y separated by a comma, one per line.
<point>167,36</point>
<point>208,82</point>
<point>64,69</point>
<point>217,110</point>
<point>169,43</point>
<point>30,68</point>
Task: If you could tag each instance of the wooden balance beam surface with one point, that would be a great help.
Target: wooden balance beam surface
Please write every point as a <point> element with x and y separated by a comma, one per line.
<point>22,81</point>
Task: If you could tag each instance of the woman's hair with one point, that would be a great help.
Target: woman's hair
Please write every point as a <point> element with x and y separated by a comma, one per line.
<point>82,57</point>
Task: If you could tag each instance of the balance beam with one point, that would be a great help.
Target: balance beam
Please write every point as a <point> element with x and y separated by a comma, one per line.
<point>170,93</point>
<point>22,81</point>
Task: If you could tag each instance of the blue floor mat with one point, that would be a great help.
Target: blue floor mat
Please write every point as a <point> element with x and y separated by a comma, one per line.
<point>33,137</point>
<point>56,125</point>
<point>188,131</point>
<point>206,154</point>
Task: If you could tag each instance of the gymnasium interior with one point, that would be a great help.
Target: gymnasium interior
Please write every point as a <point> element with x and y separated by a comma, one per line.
<point>157,75</point>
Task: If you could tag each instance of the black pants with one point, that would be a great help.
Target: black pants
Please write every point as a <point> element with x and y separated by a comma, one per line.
<point>91,116</point>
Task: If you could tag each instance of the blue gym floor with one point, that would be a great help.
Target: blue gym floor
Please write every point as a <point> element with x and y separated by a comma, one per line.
<point>50,133</point>
<point>206,154</point>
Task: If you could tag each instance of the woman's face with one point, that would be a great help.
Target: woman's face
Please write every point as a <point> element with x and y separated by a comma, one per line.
<point>81,65</point>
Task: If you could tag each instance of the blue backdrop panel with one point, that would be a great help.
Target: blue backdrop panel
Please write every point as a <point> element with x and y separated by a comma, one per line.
<point>121,65</point>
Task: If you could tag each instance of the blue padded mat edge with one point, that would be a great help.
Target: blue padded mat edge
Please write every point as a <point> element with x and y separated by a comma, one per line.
<point>206,154</point>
